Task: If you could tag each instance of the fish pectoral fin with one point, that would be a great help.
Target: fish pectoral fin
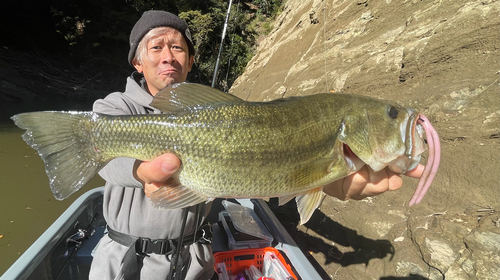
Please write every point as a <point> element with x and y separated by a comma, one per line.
<point>285,199</point>
<point>168,197</point>
<point>180,96</point>
<point>308,202</point>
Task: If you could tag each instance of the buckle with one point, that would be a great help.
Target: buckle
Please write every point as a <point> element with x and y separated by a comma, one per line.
<point>205,234</point>
<point>148,246</point>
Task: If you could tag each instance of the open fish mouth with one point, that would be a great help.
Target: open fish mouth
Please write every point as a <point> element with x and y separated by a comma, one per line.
<point>418,136</point>
<point>433,161</point>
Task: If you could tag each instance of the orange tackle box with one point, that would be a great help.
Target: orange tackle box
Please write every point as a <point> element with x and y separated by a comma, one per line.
<point>238,260</point>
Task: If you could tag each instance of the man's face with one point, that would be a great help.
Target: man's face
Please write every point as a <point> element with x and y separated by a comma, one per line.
<point>166,61</point>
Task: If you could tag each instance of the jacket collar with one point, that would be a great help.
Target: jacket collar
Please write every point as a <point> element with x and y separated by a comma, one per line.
<point>136,89</point>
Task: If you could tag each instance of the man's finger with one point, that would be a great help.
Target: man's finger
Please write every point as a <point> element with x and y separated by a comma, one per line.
<point>416,172</point>
<point>159,169</point>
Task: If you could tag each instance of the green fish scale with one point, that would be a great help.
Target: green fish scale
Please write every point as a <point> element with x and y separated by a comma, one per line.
<point>250,150</point>
<point>237,149</point>
<point>142,137</point>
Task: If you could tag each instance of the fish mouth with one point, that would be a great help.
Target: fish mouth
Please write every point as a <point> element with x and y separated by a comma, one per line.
<point>413,137</point>
<point>352,160</point>
<point>412,134</point>
<point>433,161</point>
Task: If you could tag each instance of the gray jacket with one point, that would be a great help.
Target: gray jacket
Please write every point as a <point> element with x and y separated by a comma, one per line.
<point>128,210</point>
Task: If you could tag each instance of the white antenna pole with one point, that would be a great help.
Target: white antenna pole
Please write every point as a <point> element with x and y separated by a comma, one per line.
<point>221,43</point>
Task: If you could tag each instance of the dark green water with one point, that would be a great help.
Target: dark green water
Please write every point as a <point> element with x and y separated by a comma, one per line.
<point>27,207</point>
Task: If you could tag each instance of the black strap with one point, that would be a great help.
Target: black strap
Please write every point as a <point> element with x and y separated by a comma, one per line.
<point>139,248</point>
<point>132,262</point>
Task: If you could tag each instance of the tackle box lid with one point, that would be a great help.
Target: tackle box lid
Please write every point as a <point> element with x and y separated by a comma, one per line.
<point>246,220</point>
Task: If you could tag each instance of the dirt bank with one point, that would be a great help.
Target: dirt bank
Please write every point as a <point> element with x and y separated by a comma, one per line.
<point>440,57</point>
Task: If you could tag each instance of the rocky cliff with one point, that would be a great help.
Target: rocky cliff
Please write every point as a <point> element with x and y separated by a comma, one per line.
<point>440,57</point>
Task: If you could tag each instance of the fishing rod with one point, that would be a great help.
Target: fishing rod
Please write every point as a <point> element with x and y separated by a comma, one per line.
<point>231,49</point>
<point>221,43</point>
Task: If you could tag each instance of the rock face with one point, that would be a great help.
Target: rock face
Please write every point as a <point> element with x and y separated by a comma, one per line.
<point>440,57</point>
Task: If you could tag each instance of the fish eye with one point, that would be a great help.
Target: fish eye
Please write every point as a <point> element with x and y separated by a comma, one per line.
<point>393,112</point>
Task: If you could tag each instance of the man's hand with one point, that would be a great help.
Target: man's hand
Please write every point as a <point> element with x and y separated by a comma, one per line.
<point>367,182</point>
<point>152,174</point>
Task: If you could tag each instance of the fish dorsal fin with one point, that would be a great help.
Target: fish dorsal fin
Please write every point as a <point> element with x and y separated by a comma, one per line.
<point>307,203</point>
<point>181,96</point>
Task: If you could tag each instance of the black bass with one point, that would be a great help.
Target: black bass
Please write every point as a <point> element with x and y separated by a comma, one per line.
<point>231,148</point>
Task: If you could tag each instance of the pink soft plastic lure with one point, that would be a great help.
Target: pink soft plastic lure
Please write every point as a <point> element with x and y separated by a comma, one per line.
<point>432,163</point>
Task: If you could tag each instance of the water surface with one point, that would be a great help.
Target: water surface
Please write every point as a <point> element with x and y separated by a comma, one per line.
<point>27,207</point>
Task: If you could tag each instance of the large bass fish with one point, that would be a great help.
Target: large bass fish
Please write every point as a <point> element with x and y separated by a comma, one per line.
<point>231,148</point>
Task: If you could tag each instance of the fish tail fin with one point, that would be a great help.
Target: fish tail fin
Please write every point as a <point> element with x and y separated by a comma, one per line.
<point>63,141</point>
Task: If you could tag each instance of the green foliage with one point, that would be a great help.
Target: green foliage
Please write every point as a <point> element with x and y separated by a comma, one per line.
<point>268,7</point>
<point>201,26</point>
<point>100,28</point>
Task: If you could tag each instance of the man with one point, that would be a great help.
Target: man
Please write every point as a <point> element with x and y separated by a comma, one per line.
<point>161,50</point>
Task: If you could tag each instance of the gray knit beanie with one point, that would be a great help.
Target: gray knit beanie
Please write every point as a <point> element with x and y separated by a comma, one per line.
<point>153,19</point>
